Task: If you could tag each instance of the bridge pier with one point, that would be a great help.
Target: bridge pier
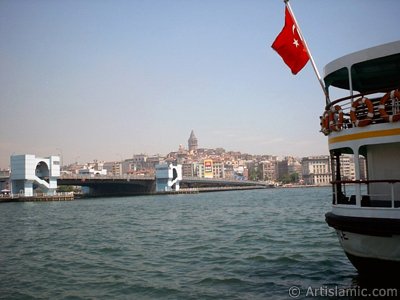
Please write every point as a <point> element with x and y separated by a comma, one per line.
<point>29,172</point>
<point>168,177</point>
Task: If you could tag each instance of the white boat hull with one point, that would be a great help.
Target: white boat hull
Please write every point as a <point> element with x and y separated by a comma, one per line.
<point>371,253</point>
<point>371,244</point>
<point>378,247</point>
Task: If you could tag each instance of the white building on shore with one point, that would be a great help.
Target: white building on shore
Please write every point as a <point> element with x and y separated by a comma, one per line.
<point>316,170</point>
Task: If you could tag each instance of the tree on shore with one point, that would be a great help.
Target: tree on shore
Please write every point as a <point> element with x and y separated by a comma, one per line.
<point>289,178</point>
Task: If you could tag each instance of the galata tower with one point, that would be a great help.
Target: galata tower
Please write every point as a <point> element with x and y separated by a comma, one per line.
<point>192,142</point>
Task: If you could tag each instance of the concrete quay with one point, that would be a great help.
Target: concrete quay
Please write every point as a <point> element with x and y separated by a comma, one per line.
<point>38,198</point>
<point>211,189</point>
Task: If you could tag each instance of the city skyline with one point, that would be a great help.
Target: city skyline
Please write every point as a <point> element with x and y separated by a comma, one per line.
<point>181,147</point>
<point>104,80</point>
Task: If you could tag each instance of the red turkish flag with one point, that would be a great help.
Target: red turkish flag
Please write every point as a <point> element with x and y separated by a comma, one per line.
<point>289,45</point>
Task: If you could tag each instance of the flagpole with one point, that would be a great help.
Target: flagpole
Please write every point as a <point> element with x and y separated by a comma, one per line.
<point>321,82</point>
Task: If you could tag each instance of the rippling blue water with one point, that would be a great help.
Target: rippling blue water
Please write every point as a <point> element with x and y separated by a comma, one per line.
<point>228,245</point>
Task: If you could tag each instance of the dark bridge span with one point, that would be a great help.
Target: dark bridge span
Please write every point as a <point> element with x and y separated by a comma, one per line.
<point>141,185</point>
<point>112,186</point>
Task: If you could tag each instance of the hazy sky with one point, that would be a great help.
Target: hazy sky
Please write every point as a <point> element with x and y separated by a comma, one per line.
<point>107,79</point>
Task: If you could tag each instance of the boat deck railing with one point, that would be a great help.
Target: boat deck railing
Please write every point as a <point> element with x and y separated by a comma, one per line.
<point>355,192</point>
<point>345,105</point>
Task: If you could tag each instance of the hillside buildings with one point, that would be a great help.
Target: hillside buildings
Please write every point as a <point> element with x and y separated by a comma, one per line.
<point>232,165</point>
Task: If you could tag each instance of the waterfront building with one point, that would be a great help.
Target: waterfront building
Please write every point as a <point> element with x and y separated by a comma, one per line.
<point>294,166</point>
<point>218,169</point>
<point>239,170</point>
<point>255,170</point>
<point>141,163</point>
<point>113,168</point>
<point>154,160</point>
<point>316,170</point>
<point>207,170</point>
<point>95,168</point>
<point>363,168</point>
<point>210,169</point>
<point>188,169</point>
<point>282,168</point>
<point>72,168</point>
<point>92,172</point>
<point>229,171</point>
<point>139,159</point>
<point>128,166</point>
<point>268,170</point>
<point>347,167</point>
<point>192,143</point>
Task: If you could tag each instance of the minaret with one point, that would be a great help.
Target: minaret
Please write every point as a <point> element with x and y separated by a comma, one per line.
<point>192,142</point>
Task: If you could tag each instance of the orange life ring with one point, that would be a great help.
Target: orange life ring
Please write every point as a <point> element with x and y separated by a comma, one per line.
<point>382,111</point>
<point>370,115</point>
<point>336,124</point>
<point>325,122</point>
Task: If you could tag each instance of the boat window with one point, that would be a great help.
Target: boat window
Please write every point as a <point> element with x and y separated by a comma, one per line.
<point>337,84</point>
<point>339,79</point>
<point>363,151</point>
<point>344,175</point>
<point>367,76</point>
<point>376,74</point>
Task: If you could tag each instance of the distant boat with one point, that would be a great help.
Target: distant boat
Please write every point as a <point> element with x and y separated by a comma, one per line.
<point>366,211</point>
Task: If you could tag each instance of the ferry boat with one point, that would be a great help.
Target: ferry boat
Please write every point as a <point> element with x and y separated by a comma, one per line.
<point>365,124</point>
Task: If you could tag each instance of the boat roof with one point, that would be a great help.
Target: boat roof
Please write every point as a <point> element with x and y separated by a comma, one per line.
<point>374,68</point>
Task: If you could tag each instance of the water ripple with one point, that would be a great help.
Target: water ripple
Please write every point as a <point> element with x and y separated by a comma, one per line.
<point>231,245</point>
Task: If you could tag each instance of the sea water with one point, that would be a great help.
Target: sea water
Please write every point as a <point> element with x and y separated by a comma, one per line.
<point>258,244</point>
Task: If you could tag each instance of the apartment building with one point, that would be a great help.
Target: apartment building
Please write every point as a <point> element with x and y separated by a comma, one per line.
<point>316,170</point>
